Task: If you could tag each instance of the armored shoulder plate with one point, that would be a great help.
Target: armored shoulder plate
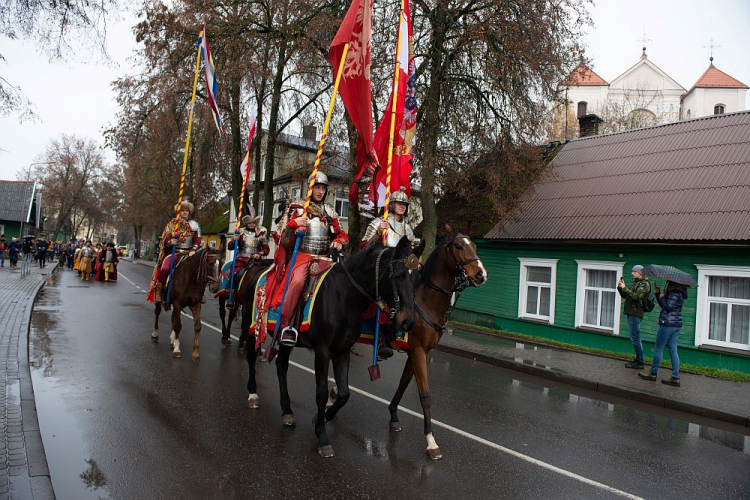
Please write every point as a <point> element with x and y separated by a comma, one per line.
<point>330,211</point>
<point>195,226</point>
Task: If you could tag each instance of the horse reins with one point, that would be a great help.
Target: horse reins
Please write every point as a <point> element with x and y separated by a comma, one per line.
<point>461,283</point>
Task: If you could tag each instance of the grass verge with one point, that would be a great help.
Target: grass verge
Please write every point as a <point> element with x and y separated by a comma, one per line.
<point>684,367</point>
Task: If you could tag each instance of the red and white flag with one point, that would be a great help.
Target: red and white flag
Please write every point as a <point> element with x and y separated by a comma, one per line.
<point>356,30</point>
<point>406,118</point>
<point>244,167</point>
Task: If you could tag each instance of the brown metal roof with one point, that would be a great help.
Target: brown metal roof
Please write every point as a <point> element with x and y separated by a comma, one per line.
<point>684,181</point>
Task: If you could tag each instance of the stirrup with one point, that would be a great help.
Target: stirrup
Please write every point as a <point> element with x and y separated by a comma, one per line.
<point>231,305</point>
<point>289,336</point>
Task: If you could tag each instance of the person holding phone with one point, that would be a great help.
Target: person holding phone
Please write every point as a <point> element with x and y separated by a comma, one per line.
<point>633,308</point>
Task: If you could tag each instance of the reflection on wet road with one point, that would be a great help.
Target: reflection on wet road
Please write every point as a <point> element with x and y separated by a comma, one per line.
<point>120,418</point>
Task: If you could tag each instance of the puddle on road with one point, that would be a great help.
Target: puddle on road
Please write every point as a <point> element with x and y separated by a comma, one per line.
<point>723,437</point>
<point>74,473</point>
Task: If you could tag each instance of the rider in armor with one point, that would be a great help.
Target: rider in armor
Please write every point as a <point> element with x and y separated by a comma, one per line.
<point>185,235</point>
<point>396,224</point>
<point>322,233</point>
<point>398,207</point>
<point>251,243</point>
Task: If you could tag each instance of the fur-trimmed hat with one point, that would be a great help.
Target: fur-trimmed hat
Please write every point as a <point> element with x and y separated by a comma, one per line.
<point>183,205</point>
<point>250,216</point>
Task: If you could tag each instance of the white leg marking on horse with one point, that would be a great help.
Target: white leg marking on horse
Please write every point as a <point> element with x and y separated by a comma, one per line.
<point>154,333</point>
<point>252,396</point>
<point>431,444</point>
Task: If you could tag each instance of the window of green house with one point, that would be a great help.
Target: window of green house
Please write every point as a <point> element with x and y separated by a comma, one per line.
<point>597,300</point>
<point>536,294</point>
<point>723,307</point>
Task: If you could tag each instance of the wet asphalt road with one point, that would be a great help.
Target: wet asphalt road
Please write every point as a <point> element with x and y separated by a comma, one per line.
<point>121,419</point>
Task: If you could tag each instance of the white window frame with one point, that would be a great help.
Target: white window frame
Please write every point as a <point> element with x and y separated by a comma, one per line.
<point>597,265</point>
<point>344,198</point>
<point>702,307</point>
<point>523,288</point>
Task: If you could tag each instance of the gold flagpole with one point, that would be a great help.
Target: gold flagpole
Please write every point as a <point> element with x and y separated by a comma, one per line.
<point>325,129</point>
<point>393,125</point>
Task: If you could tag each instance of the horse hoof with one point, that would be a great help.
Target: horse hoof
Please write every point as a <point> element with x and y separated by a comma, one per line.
<point>253,403</point>
<point>435,454</point>
<point>195,358</point>
<point>177,355</point>
<point>326,451</point>
<point>395,426</point>
<point>288,420</point>
<point>154,339</point>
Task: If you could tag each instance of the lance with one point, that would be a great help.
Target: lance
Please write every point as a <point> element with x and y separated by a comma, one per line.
<point>230,304</point>
<point>184,167</point>
<point>374,369</point>
<point>271,351</point>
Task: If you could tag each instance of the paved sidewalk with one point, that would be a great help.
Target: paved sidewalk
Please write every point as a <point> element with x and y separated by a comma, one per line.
<point>699,395</point>
<point>23,465</point>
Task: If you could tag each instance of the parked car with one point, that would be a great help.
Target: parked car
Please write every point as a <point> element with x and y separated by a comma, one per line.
<point>122,251</point>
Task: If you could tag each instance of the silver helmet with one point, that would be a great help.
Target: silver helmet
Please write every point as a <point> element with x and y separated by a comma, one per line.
<point>320,178</point>
<point>400,196</point>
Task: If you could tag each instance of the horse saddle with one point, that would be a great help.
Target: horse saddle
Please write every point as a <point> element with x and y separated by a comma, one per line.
<point>316,271</point>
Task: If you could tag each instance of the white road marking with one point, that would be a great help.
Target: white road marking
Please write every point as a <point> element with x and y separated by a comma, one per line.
<point>126,279</point>
<point>502,449</point>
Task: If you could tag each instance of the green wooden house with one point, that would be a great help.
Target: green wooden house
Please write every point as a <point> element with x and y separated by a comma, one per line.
<point>675,194</point>
<point>20,208</point>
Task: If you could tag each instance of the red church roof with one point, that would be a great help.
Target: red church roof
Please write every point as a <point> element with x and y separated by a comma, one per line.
<point>714,78</point>
<point>583,75</point>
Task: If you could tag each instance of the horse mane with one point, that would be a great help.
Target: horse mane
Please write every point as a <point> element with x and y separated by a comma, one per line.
<point>428,267</point>
<point>361,257</point>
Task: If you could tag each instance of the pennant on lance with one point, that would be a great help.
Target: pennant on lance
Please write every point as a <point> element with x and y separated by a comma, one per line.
<point>212,84</point>
<point>356,30</point>
<point>244,166</point>
<point>406,118</point>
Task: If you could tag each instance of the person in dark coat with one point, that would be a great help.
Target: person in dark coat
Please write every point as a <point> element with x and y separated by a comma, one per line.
<point>634,296</point>
<point>14,248</point>
<point>70,253</point>
<point>670,322</point>
<point>41,251</point>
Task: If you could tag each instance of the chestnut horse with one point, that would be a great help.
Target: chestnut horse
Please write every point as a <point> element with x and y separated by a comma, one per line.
<point>455,256</point>
<point>189,281</point>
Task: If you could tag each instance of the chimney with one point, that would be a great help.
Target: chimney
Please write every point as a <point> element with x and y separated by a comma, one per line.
<point>309,133</point>
<point>589,125</point>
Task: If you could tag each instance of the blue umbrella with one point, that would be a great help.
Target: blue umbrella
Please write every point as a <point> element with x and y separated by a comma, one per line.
<point>669,273</point>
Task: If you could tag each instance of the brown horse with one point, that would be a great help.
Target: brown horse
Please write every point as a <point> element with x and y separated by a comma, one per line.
<point>455,256</point>
<point>189,281</point>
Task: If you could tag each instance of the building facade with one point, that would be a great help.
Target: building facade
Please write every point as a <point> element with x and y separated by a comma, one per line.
<point>675,194</point>
<point>644,95</point>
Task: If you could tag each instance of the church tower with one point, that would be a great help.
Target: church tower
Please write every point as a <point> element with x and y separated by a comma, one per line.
<point>714,93</point>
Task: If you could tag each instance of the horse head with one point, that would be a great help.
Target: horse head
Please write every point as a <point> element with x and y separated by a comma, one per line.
<point>400,294</point>
<point>212,258</point>
<point>463,253</point>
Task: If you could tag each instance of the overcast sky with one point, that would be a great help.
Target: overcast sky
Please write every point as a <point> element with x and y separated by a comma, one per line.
<point>77,98</point>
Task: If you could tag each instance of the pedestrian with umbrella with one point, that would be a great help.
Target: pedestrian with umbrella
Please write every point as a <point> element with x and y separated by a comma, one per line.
<point>670,318</point>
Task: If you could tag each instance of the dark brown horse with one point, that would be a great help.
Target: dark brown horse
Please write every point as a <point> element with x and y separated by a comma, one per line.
<point>189,280</point>
<point>455,256</point>
<point>243,297</point>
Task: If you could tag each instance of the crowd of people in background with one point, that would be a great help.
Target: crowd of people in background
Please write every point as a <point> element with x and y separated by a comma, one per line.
<point>92,262</point>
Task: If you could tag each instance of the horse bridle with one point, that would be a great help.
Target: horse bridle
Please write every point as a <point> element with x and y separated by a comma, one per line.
<point>462,282</point>
<point>460,267</point>
<point>409,262</point>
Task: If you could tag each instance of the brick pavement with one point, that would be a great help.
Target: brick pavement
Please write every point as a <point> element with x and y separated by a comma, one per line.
<point>23,465</point>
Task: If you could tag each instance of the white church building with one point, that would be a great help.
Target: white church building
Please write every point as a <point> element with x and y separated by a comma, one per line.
<point>645,95</point>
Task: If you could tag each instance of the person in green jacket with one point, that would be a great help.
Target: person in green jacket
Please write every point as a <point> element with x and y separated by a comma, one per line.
<point>634,297</point>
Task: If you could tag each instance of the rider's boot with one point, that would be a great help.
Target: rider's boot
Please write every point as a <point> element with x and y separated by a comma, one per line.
<point>157,292</point>
<point>384,352</point>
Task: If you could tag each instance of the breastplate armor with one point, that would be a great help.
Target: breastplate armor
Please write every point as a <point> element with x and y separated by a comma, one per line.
<point>317,238</point>
<point>88,253</point>
<point>109,257</point>
<point>187,244</point>
<point>251,243</point>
